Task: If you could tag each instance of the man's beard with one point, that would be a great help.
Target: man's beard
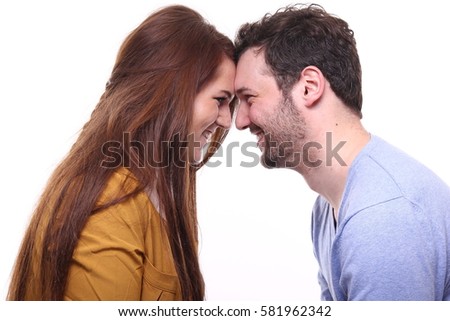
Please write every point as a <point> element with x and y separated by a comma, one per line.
<point>284,134</point>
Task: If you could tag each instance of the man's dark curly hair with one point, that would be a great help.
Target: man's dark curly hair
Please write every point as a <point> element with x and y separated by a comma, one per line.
<point>298,36</point>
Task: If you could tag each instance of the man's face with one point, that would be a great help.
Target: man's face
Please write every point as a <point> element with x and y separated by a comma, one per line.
<point>271,116</point>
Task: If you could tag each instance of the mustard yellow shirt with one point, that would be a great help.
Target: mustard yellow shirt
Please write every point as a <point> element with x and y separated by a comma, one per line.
<point>123,252</point>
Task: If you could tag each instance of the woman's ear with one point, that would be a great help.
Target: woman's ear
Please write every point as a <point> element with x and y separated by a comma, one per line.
<point>311,85</point>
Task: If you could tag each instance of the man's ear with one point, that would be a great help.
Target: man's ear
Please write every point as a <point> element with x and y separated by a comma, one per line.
<point>311,85</point>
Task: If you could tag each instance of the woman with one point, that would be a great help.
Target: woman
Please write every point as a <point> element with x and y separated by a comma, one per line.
<point>117,220</point>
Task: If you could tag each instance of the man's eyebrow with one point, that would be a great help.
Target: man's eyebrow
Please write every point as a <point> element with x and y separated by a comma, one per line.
<point>241,90</point>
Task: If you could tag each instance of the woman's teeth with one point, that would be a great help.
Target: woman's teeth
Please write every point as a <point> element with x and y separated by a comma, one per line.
<point>207,134</point>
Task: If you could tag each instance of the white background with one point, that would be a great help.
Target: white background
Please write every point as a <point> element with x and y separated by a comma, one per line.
<point>56,56</point>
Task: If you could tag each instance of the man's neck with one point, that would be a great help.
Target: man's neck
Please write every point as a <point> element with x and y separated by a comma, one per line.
<point>341,145</point>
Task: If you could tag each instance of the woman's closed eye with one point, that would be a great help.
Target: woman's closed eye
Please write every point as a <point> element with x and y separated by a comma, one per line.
<point>221,100</point>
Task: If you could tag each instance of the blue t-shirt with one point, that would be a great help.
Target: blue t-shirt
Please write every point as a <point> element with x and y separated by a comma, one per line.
<point>392,237</point>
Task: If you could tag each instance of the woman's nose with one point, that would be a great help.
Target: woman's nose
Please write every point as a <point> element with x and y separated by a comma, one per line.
<point>224,117</point>
<point>242,119</point>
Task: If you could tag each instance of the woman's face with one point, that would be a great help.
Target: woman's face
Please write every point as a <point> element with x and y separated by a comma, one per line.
<point>212,107</point>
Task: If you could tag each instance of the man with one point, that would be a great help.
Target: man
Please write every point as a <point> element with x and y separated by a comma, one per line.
<point>381,224</point>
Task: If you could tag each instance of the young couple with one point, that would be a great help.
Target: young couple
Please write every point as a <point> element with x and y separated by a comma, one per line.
<point>108,230</point>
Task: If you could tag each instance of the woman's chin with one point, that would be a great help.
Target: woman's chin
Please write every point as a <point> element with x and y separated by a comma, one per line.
<point>197,156</point>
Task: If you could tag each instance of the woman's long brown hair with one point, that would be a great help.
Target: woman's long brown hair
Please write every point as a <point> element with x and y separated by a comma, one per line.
<point>160,68</point>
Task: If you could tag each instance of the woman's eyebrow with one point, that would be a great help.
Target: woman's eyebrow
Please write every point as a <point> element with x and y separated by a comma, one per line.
<point>227,93</point>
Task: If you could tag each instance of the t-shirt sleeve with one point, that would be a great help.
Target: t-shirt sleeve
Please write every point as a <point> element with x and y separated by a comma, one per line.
<point>380,258</point>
